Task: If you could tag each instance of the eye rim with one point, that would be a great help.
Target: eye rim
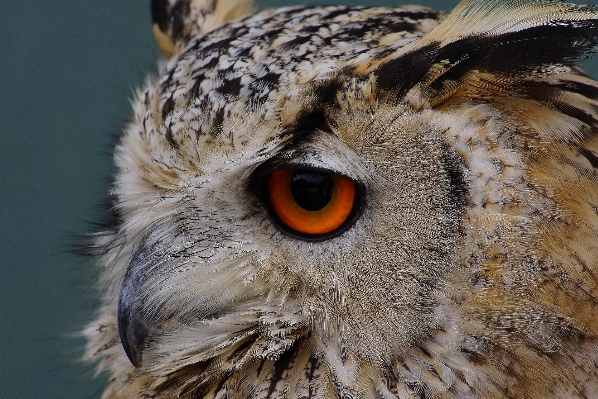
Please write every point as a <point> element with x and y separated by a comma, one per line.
<point>262,189</point>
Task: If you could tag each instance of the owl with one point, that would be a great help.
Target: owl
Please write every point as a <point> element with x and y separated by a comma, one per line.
<point>350,202</point>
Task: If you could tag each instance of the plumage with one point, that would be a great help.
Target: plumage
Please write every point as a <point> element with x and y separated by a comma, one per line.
<point>467,267</point>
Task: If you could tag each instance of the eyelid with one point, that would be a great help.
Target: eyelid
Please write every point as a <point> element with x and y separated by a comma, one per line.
<point>319,150</point>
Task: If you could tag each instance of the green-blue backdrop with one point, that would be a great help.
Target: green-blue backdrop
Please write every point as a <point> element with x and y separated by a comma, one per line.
<point>67,71</point>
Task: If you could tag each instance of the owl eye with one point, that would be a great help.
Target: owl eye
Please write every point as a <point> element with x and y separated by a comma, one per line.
<point>314,204</point>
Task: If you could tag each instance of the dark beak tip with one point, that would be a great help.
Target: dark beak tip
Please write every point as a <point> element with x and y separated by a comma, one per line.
<point>133,333</point>
<point>134,354</point>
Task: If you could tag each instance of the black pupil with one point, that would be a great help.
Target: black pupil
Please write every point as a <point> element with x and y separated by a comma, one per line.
<point>311,190</point>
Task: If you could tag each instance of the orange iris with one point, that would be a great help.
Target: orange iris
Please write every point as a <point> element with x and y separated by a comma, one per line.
<point>322,221</point>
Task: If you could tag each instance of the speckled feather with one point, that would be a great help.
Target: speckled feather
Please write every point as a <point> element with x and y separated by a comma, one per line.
<point>472,269</point>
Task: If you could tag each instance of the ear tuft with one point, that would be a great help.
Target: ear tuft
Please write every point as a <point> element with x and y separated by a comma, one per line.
<point>175,22</point>
<point>475,18</point>
<point>512,39</point>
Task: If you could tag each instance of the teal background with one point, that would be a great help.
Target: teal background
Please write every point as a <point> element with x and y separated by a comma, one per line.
<point>67,71</point>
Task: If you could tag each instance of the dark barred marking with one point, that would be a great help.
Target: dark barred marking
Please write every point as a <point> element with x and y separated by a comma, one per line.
<point>313,366</point>
<point>399,75</point>
<point>170,139</point>
<point>458,189</point>
<point>590,156</point>
<point>418,15</point>
<point>586,90</point>
<point>280,366</point>
<point>167,108</point>
<point>579,114</point>
<point>231,87</point>
<point>340,11</point>
<point>181,377</point>
<point>260,367</point>
<point>219,387</point>
<point>218,119</point>
<point>218,47</point>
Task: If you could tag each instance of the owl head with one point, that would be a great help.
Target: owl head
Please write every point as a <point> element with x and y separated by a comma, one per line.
<point>357,202</point>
